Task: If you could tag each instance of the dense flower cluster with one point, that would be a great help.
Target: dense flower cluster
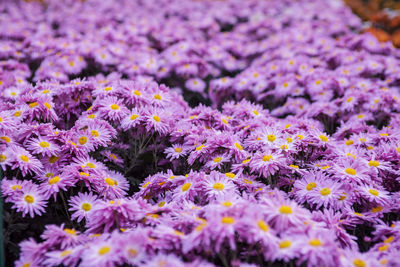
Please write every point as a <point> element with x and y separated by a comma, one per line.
<point>292,158</point>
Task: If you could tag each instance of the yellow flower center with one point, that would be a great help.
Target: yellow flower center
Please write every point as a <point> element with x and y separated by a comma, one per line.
<point>134,117</point>
<point>227,220</point>
<point>94,133</point>
<point>24,158</point>
<point>156,118</point>
<point>186,187</point>
<point>29,199</point>
<point>199,147</point>
<point>108,88</point>
<point>389,239</point>
<point>311,186</point>
<point>350,171</point>
<point>315,242</point>
<point>217,159</point>
<point>54,180</point>
<point>33,104</point>
<point>325,191</point>
<point>227,203</point>
<point>157,97</point>
<point>377,209</point>
<point>47,105</point>
<point>351,155</point>
<point>82,140</point>
<point>53,159</point>
<point>17,113</point>
<point>245,161</point>
<point>90,165</point>
<point>114,107</point>
<point>285,209</point>
<point>218,186</point>
<point>271,138</point>
<point>104,250</point>
<point>238,146</point>
<point>44,144</point>
<point>349,142</point>
<point>267,158</point>
<point>383,248</point>
<point>263,225</point>
<point>323,138</point>
<point>132,252</point>
<point>3,158</point>
<point>285,244</point>
<point>230,175</point>
<point>66,253</point>
<point>178,149</point>
<point>17,186</point>
<point>6,139</point>
<point>359,263</point>
<point>109,181</point>
<point>373,192</point>
<point>70,231</point>
<point>86,206</point>
<point>373,163</point>
<point>343,196</point>
<point>201,226</point>
<point>136,92</point>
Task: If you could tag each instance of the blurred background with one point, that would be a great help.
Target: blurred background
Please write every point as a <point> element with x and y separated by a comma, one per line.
<point>382,18</point>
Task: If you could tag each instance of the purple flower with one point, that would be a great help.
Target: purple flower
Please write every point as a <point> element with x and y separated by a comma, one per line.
<point>30,200</point>
<point>23,160</point>
<point>82,205</point>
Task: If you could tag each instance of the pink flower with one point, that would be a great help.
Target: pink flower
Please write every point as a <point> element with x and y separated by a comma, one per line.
<point>25,161</point>
<point>112,108</point>
<point>42,146</point>
<point>82,205</point>
<point>60,236</point>
<point>102,253</point>
<point>30,200</point>
<point>216,185</point>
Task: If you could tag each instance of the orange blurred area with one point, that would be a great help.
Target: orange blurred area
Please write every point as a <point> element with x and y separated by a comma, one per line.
<point>384,26</point>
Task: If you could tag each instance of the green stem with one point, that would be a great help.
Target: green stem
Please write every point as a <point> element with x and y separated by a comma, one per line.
<point>65,205</point>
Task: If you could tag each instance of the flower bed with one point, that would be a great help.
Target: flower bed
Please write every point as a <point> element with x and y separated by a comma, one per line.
<point>197,133</point>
